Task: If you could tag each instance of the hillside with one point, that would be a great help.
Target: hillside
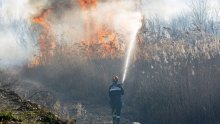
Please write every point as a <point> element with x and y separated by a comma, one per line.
<point>16,110</point>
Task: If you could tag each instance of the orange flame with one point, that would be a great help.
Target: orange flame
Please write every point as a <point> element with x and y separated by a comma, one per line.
<point>85,4</point>
<point>41,19</point>
<point>101,40</point>
<point>46,40</point>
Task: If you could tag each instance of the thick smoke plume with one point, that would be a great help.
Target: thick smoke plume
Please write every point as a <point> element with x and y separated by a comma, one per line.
<point>121,17</point>
<point>66,19</point>
<point>16,38</point>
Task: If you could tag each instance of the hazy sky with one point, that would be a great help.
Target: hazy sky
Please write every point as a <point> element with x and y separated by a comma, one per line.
<point>170,8</point>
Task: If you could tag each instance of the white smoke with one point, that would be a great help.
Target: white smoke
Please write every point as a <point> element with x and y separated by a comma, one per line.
<point>17,38</point>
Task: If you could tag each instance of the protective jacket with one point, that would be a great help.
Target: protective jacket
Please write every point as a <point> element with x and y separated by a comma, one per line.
<point>115,93</point>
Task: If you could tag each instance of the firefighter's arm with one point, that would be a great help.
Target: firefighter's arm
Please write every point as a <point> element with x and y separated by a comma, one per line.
<point>109,91</point>
<point>122,90</point>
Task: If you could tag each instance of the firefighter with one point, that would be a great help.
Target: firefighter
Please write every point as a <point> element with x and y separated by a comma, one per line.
<point>115,93</point>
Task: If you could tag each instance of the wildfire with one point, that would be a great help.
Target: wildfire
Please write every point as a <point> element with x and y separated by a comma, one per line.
<point>85,4</point>
<point>41,19</point>
<point>101,40</point>
<point>47,42</point>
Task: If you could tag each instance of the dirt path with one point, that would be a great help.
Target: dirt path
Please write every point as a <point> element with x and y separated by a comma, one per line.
<point>98,115</point>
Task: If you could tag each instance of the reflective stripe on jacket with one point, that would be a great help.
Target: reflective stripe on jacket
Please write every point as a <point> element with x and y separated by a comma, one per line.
<point>115,92</point>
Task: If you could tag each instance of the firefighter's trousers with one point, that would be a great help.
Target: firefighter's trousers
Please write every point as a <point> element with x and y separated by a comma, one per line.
<point>116,112</point>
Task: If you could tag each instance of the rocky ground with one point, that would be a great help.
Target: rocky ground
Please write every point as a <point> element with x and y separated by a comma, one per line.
<point>15,110</point>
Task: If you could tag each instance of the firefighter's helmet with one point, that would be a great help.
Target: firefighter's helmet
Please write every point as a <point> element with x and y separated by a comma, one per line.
<point>115,78</point>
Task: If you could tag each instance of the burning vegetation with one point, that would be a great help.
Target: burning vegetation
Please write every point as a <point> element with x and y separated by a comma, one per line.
<point>47,42</point>
<point>99,40</point>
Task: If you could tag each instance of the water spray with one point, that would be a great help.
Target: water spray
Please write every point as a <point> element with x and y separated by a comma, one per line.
<point>131,45</point>
<point>128,58</point>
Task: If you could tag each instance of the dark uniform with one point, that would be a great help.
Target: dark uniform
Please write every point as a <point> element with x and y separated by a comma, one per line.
<point>115,93</point>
